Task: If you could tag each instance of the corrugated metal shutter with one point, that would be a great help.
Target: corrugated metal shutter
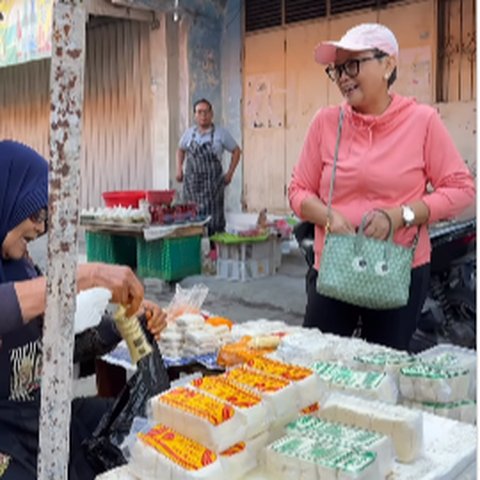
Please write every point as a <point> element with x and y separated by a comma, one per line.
<point>261,14</point>
<point>298,10</point>
<point>341,6</point>
<point>117,128</point>
<point>117,110</point>
<point>24,104</point>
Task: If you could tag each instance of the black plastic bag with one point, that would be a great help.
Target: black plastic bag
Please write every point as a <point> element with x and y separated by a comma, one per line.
<point>151,378</point>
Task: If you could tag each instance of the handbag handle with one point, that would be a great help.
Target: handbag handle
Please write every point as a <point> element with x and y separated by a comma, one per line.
<point>361,236</point>
<point>334,170</point>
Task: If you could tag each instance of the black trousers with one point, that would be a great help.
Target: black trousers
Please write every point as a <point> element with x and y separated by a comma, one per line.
<point>19,437</point>
<point>392,328</point>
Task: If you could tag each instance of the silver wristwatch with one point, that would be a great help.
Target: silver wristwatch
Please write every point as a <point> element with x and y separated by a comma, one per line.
<point>408,215</point>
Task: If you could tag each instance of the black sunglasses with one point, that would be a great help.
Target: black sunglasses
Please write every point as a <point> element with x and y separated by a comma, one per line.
<point>350,67</point>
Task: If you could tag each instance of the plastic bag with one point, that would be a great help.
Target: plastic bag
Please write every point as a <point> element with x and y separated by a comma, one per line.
<point>151,378</point>
<point>186,300</point>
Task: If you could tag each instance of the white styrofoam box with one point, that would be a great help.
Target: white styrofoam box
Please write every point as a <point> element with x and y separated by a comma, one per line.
<point>237,270</point>
<point>254,259</point>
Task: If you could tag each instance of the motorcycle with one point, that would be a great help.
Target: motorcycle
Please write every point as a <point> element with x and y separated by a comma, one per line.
<point>449,312</point>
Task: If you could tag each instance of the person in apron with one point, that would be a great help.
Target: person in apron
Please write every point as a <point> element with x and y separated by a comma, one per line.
<point>201,148</point>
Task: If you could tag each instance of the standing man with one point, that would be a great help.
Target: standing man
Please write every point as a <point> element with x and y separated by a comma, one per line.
<point>203,179</point>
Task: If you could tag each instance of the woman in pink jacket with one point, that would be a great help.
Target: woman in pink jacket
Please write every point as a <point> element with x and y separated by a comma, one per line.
<point>391,148</point>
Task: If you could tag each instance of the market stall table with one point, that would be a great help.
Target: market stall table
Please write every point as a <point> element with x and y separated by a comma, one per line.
<point>168,252</point>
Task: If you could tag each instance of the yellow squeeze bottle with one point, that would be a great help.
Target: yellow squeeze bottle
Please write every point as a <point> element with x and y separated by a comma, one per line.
<point>132,333</point>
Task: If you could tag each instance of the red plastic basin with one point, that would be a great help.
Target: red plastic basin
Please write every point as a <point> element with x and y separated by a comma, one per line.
<point>126,198</point>
<point>160,197</point>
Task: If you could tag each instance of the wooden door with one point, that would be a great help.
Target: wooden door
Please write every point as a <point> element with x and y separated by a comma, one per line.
<point>264,122</point>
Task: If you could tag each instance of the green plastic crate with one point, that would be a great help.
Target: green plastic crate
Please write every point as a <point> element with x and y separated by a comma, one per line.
<point>108,248</point>
<point>170,258</point>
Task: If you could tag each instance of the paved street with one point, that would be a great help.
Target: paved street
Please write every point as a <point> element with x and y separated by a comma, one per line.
<point>278,297</point>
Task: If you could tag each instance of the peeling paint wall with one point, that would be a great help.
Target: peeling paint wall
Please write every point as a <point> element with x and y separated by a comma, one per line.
<point>460,118</point>
<point>204,52</point>
<point>213,54</point>
<point>231,62</point>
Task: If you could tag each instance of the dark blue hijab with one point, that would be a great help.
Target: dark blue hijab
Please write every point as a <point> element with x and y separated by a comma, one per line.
<point>23,191</point>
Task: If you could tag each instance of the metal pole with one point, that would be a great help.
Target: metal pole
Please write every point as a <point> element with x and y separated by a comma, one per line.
<point>66,87</point>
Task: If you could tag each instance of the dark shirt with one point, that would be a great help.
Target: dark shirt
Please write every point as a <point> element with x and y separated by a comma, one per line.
<point>21,346</point>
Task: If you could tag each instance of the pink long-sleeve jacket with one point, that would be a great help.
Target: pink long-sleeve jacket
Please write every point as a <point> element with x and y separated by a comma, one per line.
<point>384,161</point>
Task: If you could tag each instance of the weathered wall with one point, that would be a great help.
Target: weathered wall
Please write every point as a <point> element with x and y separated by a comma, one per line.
<point>204,52</point>
<point>460,119</point>
<point>207,40</point>
<point>231,68</point>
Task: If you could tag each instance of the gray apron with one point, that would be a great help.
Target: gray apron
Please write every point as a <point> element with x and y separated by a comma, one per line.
<point>204,182</point>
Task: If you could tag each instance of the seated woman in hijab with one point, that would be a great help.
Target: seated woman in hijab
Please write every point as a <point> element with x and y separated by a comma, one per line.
<point>23,216</point>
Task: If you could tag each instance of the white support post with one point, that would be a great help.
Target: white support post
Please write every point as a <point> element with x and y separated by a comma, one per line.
<point>66,86</point>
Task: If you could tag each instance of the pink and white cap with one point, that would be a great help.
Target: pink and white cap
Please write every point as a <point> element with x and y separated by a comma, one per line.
<point>366,36</point>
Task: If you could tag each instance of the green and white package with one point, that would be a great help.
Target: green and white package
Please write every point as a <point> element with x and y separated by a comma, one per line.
<point>403,425</point>
<point>326,432</point>
<point>367,384</point>
<point>293,457</point>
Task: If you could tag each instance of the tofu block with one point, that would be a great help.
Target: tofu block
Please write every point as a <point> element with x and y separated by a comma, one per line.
<point>119,473</point>
<point>388,362</point>
<point>326,433</point>
<point>280,395</point>
<point>428,382</point>
<point>402,425</point>
<point>304,458</point>
<point>207,420</point>
<point>238,460</point>
<point>447,356</point>
<point>303,378</point>
<point>462,410</point>
<point>367,384</point>
<point>246,403</point>
<point>164,453</point>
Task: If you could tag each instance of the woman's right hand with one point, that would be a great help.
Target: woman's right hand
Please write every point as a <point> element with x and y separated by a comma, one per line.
<point>126,288</point>
<point>341,225</point>
<point>179,176</point>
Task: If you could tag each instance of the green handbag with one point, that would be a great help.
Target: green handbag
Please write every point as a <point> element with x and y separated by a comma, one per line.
<point>360,270</point>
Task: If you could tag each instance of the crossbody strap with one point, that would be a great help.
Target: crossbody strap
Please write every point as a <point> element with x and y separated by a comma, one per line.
<point>332,183</point>
<point>334,170</point>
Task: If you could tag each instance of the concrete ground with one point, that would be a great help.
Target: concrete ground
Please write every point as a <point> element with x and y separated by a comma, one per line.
<point>278,297</point>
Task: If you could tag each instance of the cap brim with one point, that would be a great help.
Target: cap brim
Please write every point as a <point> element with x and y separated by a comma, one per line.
<point>326,52</point>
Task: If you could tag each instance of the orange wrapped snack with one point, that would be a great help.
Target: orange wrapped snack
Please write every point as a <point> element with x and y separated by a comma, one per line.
<point>240,352</point>
<point>201,417</point>
<point>304,379</point>
<point>181,450</point>
<point>165,453</point>
<point>219,321</point>
<point>247,403</point>
<point>279,394</point>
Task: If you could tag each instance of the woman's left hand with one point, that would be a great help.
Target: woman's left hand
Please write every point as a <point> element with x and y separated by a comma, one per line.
<point>156,317</point>
<point>377,225</point>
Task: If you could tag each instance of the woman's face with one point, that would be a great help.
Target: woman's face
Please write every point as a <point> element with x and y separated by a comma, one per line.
<point>363,80</point>
<point>14,247</point>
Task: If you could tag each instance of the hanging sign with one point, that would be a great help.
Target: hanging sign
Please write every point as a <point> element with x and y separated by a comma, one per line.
<point>25,31</point>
